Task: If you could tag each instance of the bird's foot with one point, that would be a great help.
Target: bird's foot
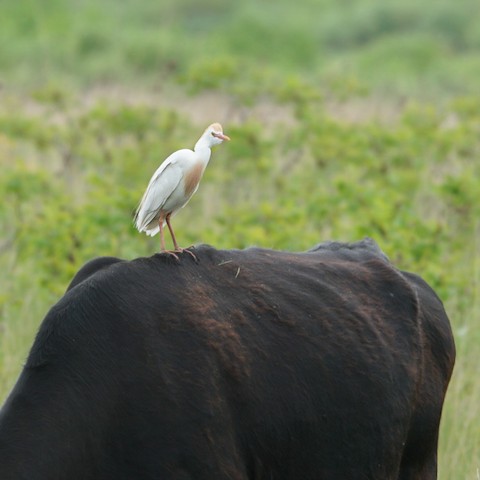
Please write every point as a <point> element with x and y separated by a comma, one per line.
<point>181,250</point>
<point>173,253</point>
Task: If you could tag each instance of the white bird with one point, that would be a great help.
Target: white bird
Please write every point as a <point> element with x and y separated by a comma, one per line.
<point>173,184</point>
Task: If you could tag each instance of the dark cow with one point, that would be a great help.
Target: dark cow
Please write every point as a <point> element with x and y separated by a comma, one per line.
<point>254,364</point>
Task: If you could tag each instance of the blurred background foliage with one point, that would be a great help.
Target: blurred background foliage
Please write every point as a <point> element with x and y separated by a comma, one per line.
<point>406,48</point>
<point>348,119</point>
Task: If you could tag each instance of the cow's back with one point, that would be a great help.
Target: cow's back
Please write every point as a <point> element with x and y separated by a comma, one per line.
<point>248,364</point>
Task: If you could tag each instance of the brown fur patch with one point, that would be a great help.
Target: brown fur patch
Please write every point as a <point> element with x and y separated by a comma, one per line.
<point>226,341</point>
<point>192,178</point>
<point>220,330</point>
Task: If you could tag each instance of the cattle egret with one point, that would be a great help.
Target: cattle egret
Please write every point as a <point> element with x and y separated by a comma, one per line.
<point>173,184</point>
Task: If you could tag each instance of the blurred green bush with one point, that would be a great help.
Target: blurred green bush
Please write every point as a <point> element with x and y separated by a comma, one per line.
<point>406,48</point>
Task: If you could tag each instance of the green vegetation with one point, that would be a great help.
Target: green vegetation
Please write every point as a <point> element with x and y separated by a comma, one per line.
<point>403,48</point>
<point>371,128</point>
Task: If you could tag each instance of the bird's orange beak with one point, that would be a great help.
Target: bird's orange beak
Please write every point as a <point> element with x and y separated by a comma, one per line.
<point>222,136</point>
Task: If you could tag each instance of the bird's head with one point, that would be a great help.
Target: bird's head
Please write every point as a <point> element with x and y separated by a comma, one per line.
<point>214,134</point>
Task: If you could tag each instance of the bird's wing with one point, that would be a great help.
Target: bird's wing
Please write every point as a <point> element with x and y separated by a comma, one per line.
<point>162,184</point>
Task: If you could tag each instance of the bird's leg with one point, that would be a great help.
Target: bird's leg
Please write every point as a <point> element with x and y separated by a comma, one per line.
<point>162,238</point>
<point>175,244</point>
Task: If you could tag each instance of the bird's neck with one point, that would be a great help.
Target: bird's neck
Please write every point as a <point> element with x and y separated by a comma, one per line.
<point>202,149</point>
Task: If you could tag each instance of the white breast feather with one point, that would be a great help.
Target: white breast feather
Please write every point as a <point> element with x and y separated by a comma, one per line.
<point>162,185</point>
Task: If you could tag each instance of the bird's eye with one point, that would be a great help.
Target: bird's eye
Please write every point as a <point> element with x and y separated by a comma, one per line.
<point>213,134</point>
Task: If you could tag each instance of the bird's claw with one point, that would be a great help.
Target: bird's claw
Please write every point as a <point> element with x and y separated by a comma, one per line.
<point>174,253</point>
<point>181,250</point>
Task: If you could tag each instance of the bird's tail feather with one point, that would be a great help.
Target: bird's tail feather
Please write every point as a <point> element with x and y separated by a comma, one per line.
<point>146,222</point>
<point>152,231</point>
